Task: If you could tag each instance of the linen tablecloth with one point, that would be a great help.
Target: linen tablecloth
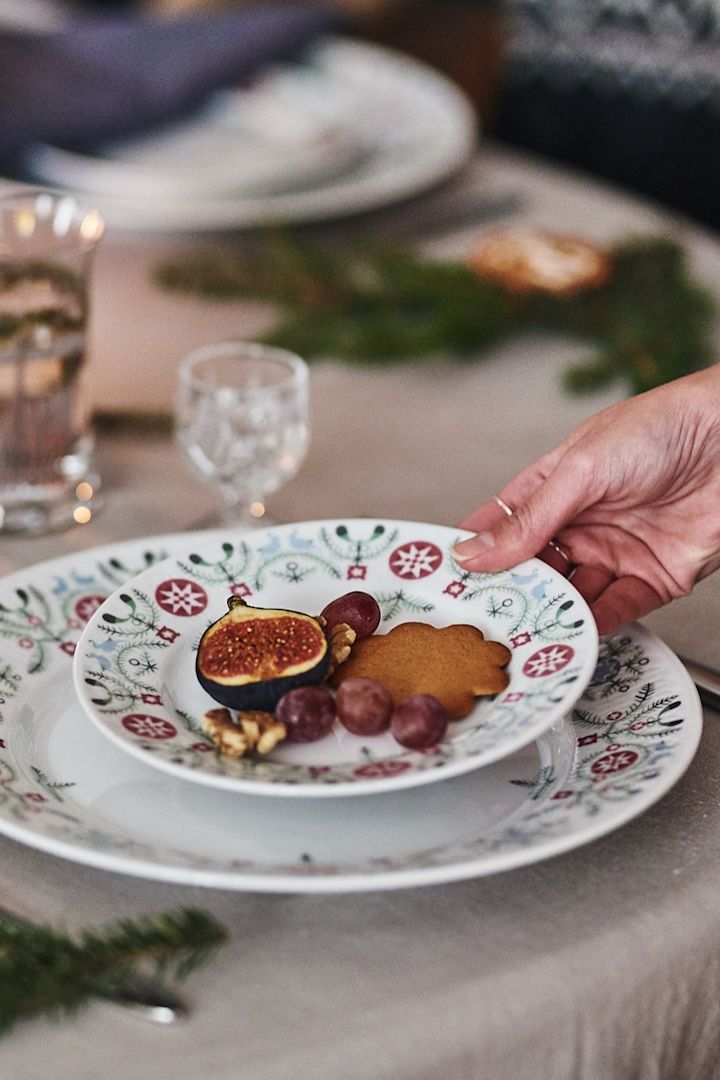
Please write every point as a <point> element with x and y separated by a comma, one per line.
<point>602,963</point>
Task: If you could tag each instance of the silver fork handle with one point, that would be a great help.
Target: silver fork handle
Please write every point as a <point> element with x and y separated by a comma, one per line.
<point>707,681</point>
<point>149,999</point>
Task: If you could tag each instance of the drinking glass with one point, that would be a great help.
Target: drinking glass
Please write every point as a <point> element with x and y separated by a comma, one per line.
<point>241,422</point>
<point>47,479</point>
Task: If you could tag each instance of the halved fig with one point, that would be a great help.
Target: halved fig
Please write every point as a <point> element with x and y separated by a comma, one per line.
<point>252,656</point>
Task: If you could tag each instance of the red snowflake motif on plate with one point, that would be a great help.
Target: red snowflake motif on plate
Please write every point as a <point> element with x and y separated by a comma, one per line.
<point>357,571</point>
<point>25,643</point>
<point>562,794</point>
<point>613,763</point>
<point>240,589</point>
<point>376,770</point>
<point>455,588</point>
<point>145,726</point>
<point>68,647</point>
<point>515,695</point>
<point>586,740</point>
<point>35,796</point>
<point>34,620</point>
<point>520,639</point>
<point>203,747</point>
<point>179,596</point>
<point>416,559</point>
<point>166,633</point>
<point>86,606</point>
<point>548,660</point>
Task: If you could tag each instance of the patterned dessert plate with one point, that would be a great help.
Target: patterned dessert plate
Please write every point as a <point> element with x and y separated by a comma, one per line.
<point>135,664</point>
<point>65,790</point>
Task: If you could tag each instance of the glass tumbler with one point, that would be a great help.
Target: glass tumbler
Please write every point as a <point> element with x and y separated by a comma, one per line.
<point>47,480</point>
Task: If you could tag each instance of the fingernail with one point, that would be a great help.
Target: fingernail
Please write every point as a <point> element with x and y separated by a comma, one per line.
<point>474,546</point>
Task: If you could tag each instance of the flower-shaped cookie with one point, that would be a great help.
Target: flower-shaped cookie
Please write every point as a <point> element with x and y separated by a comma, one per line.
<point>453,663</point>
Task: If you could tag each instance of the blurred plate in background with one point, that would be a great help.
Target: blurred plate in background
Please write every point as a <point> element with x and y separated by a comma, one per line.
<point>351,128</point>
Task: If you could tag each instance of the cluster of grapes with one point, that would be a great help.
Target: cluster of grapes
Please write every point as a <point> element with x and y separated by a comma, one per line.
<point>364,706</point>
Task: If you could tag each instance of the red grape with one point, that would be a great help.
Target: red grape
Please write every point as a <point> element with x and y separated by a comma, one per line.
<point>419,721</point>
<point>307,712</point>
<point>358,609</point>
<point>364,706</point>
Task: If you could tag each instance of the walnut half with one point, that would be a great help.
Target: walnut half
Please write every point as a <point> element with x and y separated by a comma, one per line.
<point>253,730</point>
<point>341,640</point>
<point>262,730</point>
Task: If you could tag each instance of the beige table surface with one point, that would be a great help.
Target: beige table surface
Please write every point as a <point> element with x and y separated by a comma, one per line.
<point>604,963</point>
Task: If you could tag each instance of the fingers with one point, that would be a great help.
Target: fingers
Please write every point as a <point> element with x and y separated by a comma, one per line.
<point>592,581</point>
<point>613,601</point>
<point>518,491</point>
<point>622,601</point>
<point>490,514</point>
<point>554,558</point>
<point>552,504</point>
<point>484,517</point>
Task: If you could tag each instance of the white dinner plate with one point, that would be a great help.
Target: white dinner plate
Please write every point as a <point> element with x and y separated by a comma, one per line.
<point>380,125</point>
<point>135,663</point>
<point>273,136</point>
<point>66,789</point>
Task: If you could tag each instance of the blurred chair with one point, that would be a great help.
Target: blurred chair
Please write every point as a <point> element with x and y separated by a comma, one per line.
<point>463,38</point>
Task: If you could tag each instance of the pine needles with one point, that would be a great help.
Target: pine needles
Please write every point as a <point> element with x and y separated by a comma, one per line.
<point>45,971</point>
<point>381,305</point>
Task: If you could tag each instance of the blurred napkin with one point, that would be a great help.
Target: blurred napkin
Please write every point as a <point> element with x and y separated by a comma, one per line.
<point>102,77</point>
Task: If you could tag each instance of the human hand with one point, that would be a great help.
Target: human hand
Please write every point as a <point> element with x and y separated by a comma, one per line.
<point>632,495</point>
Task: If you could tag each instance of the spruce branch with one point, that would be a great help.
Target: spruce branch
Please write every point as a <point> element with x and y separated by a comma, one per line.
<point>377,304</point>
<point>46,971</point>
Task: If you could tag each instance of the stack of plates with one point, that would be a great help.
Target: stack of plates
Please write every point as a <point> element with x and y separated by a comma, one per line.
<point>112,769</point>
<point>349,128</point>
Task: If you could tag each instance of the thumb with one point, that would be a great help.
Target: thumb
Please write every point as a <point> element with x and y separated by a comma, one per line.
<point>552,506</point>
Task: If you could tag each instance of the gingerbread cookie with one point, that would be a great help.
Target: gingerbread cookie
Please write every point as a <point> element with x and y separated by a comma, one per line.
<point>454,663</point>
